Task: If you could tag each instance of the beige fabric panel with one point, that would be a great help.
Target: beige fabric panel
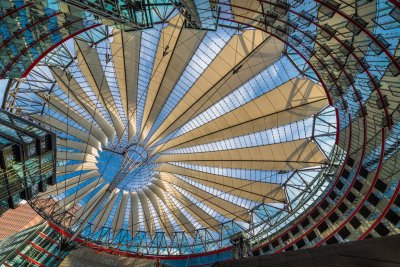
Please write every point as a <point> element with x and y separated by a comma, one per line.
<point>148,219</point>
<point>78,146</point>
<point>76,181</point>
<point>253,50</point>
<point>62,126</point>
<point>304,98</point>
<point>180,218</point>
<point>220,205</point>
<point>69,183</point>
<point>85,209</point>
<point>257,60</point>
<point>117,222</point>
<point>85,166</point>
<point>166,45</point>
<point>73,202</point>
<point>243,128</point>
<point>73,199</point>
<point>252,190</point>
<point>59,105</point>
<point>132,58</point>
<point>179,56</point>
<point>165,222</point>
<point>118,57</point>
<point>90,66</point>
<point>196,212</point>
<point>64,155</point>
<point>293,155</point>
<point>102,217</point>
<point>74,91</point>
<point>241,12</point>
<point>126,56</point>
<point>134,213</point>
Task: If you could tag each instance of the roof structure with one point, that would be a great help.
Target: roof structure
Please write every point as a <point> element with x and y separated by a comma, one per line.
<point>177,133</point>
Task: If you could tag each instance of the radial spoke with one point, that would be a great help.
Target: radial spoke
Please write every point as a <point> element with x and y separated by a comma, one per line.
<point>73,90</point>
<point>292,101</point>
<point>242,57</point>
<point>283,156</point>
<point>90,65</point>
<point>224,207</point>
<point>125,54</point>
<point>253,190</point>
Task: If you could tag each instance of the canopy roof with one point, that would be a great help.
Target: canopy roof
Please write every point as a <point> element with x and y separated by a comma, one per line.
<point>171,136</point>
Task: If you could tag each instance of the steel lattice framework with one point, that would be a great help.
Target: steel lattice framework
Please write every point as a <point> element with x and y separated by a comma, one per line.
<point>179,187</point>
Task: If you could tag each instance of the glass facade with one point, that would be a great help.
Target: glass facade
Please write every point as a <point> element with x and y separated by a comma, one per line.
<point>28,30</point>
<point>27,159</point>
<point>35,246</point>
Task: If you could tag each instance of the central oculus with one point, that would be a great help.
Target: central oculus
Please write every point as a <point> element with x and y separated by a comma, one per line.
<point>130,169</point>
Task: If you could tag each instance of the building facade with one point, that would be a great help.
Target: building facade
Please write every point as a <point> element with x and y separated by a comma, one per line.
<point>36,246</point>
<point>27,160</point>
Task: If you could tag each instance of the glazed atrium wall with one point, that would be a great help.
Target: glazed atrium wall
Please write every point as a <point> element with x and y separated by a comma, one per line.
<point>27,160</point>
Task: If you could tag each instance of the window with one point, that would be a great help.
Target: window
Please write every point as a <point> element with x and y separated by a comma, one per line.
<point>285,238</point>
<point>350,162</point>
<point>332,240</point>
<point>324,205</point>
<point>365,212</point>
<point>339,185</point>
<point>311,236</point>
<point>355,223</point>
<point>314,214</point>
<point>345,174</point>
<point>382,230</point>
<point>344,232</point>
<point>333,217</point>
<point>392,217</point>
<point>381,186</point>
<point>363,172</point>
<point>300,244</point>
<point>358,185</point>
<point>295,230</point>
<point>332,195</point>
<point>343,208</point>
<point>322,227</point>
<point>373,199</point>
<point>351,197</point>
<point>397,201</point>
<point>305,223</point>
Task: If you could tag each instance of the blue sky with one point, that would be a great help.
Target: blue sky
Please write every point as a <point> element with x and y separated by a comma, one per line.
<point>3,84</point>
